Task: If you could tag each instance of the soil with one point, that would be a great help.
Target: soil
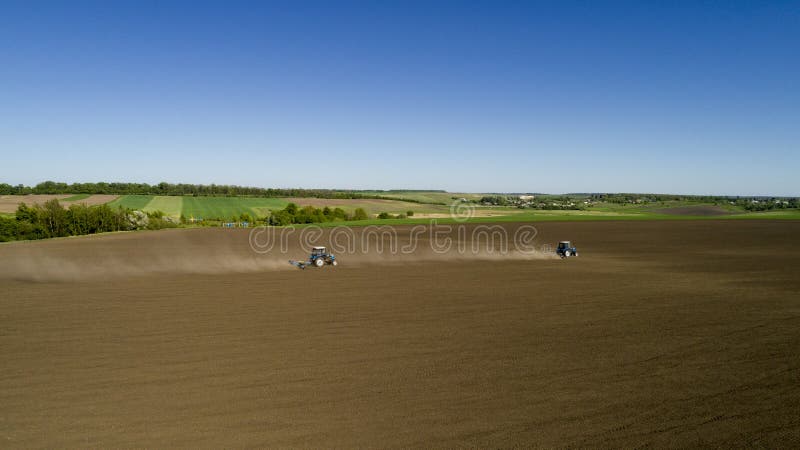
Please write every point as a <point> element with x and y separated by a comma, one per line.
<point>679,334</point>
<point>698,210</point>
<point>9,203</point>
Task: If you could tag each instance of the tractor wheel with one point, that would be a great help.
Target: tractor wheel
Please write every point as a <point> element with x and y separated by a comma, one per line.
<point>319,262</point>
<point>334,263</point>
<point>576,254</point>
<point>567,253</point>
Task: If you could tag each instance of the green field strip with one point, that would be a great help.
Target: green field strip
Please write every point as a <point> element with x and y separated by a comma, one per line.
<point>264,211</point>
<point>131,201</point>
<point>372,206</point>
<point>169,205</point>
<point>228,207</point>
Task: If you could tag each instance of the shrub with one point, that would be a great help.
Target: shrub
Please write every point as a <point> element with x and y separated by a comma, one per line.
<point>281,218</point>
<point>360,214</point>
<point>53,220</point>
<point>8,229</point>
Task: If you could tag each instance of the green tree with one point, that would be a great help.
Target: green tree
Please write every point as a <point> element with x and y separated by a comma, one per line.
<point>78,219</point>
<point>360,214</point>
<point>8,229</point>
<point>55,218</point>
<point>338,213</point>
<point>281,218</point>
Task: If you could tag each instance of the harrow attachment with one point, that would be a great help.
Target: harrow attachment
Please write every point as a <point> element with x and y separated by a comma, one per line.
<point>298,264</point>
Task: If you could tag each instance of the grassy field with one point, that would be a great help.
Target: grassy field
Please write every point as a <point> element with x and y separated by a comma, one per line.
<point>373,206</point>
<point>228,207</point>
<point>650,207</point>
<point>445,198</point>
<point>786,214</point>
<point>570,216</point>
<point>132,201</point>
<point>171,206</point>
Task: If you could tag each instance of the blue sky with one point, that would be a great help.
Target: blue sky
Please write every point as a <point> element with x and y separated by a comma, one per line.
<point>680,97</point>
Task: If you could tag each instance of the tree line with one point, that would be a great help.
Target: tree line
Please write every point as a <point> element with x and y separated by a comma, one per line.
<point>163,188</point>
<point>716,199</point>
<point>51,219</point>
<point>768,204</point>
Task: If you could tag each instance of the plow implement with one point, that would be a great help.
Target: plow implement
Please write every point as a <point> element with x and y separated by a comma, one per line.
<point>298,264</point>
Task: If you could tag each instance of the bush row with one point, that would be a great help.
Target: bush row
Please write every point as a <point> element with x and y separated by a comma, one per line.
<point>293,214</point>
<point>53,220</point>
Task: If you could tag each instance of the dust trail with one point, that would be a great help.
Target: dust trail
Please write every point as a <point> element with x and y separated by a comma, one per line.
<point>40,266</point>
<point>460,243</point>
<point>138,254</point>
<point>59,269</point>
<point>216,251</point>
<point>360,258</point>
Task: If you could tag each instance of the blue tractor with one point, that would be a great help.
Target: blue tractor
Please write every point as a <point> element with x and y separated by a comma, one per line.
<point>318,258</point>
<point>565,249</point>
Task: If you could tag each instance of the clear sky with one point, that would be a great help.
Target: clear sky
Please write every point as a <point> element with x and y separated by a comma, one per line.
<point>693,97</point>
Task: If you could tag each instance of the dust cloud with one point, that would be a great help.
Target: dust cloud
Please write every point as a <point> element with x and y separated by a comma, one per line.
<point>216,251</point>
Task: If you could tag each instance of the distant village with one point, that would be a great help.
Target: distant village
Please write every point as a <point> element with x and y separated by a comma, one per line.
<point>583,201</point>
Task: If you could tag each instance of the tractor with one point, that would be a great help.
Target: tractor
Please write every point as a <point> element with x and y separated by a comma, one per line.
<point>318,258</point>
<point>565,249</point>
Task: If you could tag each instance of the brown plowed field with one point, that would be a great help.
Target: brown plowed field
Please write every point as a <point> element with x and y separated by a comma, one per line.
<point>9,203</point>
<point>696,210</point>
<point>676,333</point>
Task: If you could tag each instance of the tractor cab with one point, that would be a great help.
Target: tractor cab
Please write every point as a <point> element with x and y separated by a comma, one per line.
<point>320,256</point>
<point>565,249</point>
